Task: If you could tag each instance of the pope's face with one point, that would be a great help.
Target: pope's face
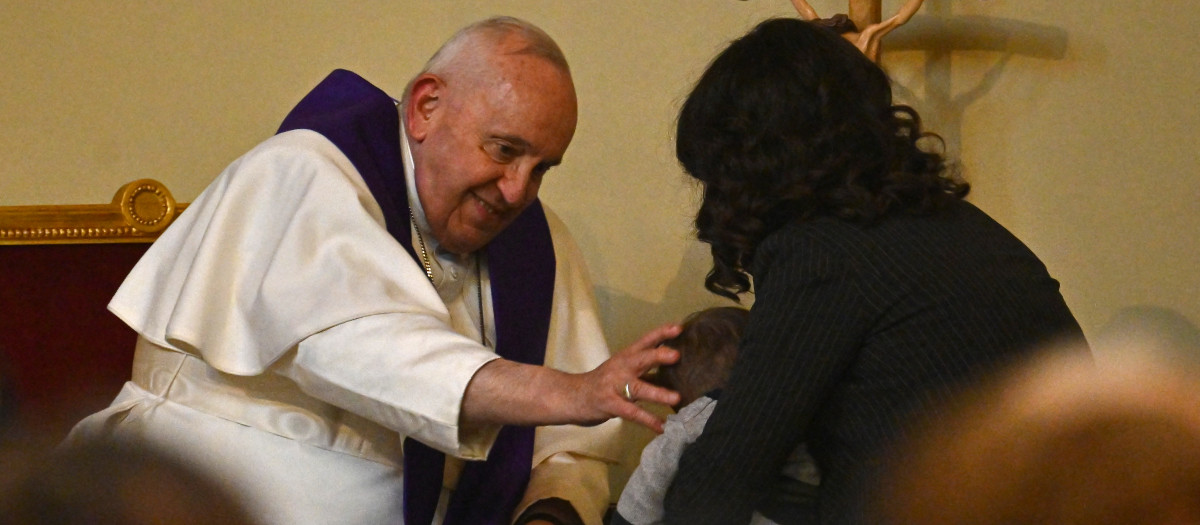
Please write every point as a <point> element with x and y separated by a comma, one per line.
<point>482,142</point>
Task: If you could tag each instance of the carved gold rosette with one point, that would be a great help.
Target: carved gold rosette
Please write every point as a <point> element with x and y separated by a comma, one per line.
<point>138,213</point>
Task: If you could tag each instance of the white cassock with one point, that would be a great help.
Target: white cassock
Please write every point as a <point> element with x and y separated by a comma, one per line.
<point>288,344</point>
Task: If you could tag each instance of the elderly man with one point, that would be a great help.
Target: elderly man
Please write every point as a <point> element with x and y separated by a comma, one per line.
<point>376,288</point>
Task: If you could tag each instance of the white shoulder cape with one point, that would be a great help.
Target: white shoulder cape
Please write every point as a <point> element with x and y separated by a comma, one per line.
<point>268,255</point>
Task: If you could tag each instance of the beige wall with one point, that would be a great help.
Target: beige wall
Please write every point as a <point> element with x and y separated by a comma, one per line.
<point>1074,120</point>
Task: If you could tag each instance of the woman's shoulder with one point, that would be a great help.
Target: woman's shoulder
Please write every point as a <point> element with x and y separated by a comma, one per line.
<point>826,236</point>
<point>903,236</point>
<point>818,249</point>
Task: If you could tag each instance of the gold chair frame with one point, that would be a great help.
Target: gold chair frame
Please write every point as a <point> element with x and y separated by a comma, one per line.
<point>139,211</point>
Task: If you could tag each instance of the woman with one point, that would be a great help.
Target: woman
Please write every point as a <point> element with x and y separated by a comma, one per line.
<point>878,290</point>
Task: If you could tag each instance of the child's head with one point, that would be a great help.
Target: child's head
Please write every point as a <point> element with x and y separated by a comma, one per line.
<point>707,347</point>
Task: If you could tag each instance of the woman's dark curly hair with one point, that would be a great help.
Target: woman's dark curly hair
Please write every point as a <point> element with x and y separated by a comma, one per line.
<point>791,122</point>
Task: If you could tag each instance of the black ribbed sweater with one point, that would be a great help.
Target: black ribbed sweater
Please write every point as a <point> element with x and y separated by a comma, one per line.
<point>852,330</point>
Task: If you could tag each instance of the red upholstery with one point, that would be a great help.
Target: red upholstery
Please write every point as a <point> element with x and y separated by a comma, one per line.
<point>66,354</point>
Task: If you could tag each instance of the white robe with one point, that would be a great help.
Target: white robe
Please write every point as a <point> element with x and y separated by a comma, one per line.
<point>288,345</point>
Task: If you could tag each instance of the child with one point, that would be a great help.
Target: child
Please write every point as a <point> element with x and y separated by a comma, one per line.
<point>708,346</point>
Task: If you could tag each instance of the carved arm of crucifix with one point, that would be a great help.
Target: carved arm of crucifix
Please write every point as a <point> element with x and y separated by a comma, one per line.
<point>866,16</point>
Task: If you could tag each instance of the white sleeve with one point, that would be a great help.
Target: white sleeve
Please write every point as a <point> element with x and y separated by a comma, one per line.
<point>406,371</point>
<point>642,500</point>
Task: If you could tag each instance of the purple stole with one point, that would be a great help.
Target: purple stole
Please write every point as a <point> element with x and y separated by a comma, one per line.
<point>364,123</point>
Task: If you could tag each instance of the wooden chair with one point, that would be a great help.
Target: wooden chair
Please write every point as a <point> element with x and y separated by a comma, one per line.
<point>63,355</point>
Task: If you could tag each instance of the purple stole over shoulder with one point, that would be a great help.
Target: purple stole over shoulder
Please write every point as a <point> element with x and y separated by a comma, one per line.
<point>363,122</point>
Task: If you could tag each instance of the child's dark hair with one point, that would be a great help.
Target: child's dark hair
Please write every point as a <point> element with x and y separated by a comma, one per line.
<point>708,346</point>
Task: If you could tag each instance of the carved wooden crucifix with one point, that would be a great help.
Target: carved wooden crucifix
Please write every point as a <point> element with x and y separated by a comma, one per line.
<point>867,16</point>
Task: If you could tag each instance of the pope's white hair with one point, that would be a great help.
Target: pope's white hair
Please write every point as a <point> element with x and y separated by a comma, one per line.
<point>469,49</point>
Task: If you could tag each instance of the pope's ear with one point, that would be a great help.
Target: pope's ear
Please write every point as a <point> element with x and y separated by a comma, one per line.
<point>422,105</point>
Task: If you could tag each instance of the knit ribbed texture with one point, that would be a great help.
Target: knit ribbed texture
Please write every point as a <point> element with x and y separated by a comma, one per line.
<point>852,330</point>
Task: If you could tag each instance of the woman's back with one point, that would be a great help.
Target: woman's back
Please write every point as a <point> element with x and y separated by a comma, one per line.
<point>853,328</point>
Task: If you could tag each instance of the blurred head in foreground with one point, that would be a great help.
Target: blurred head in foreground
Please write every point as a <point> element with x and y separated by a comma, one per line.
<point>1058,440</point>
<point>108,484</point>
